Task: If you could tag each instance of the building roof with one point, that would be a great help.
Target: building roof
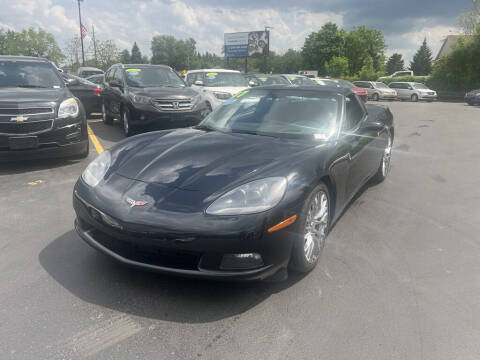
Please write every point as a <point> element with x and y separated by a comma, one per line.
<point>448,44</point>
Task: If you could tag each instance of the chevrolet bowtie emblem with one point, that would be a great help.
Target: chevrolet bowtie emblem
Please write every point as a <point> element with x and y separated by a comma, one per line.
<point>134,203</point>
<point>19,118</point>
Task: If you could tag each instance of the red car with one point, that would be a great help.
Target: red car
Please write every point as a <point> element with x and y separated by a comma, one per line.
<point>362,93</point>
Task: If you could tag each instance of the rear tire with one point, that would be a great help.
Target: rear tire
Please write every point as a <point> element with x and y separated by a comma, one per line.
<point>414,98</point>
<point>311,230</point>
<point>107,119</point>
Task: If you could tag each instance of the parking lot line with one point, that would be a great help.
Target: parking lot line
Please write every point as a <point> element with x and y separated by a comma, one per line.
<point>95,141</point>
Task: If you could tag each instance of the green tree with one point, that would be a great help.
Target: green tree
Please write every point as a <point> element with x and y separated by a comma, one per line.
<point>321,46</point>
<point>395,63</point>
<point>337,66</point>
<point>361,43</point>
<point>30,42</point>
<point>470,18</point>
<point>460,70</point>
<point>367,72</point>
<point>125,57</point>
<point>107,54</point>
<point>422,60</point>
<point>136,57</point>
<point>179,54</point>
<point>288,63</point>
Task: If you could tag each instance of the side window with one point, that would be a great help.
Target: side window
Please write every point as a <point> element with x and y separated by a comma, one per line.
<point>190,80</point>
<point>393,86</point>
<point>353,112</point>
<point>108,75</point>
<point>118,75</point>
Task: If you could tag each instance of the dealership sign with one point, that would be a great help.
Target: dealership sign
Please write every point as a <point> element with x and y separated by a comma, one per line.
<point>243,44</point>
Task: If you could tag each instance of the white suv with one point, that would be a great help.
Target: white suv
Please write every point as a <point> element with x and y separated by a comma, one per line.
<point>413,91</point>
<point>216,85</point>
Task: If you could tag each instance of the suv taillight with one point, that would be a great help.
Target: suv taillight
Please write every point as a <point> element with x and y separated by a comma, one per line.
<point>97,91</point>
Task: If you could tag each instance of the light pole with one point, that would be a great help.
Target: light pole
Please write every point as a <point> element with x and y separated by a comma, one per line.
<point>81,35</point>
<point>265,53</point>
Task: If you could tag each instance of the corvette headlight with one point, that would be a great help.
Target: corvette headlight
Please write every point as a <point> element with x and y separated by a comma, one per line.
<point>139,99</point>
<point>97,169</point>
<point>253,197</point>
<point>68,108</point>
<point>222,95</point>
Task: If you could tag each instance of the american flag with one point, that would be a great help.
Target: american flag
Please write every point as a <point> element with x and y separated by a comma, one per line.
<point>84,31</point>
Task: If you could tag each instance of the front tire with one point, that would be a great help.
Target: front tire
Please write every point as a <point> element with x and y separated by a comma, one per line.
<point>384,167</point>
<point>375,97</point>
<point>312,229</point>
<point>127,127</point>
<point>107,119</point>
<point>414,98</point>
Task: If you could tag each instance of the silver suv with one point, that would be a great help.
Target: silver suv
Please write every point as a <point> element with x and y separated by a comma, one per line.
<point>413,91</point>
<point>377,90</point>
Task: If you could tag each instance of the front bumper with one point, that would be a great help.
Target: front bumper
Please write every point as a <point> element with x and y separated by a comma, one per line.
<point>148,116</point>
<point>427,97</point>
<point>184,253</point>
<point>388,96</point>
<point>66,138</point>
<point>472,99</point>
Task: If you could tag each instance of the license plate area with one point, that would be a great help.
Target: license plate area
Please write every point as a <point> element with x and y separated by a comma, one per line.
<point>23,142</point>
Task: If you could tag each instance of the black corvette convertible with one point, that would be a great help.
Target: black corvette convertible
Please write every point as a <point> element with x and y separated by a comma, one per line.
<point>247,194</point>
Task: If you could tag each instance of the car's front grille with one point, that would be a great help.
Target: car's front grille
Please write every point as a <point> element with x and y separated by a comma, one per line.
<point>25,111</point>
<point>24,128</point>
<point>173,104</point>
<point>148,254</point>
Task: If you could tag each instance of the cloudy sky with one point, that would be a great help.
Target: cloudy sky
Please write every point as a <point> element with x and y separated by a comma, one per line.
<point>404,22</point>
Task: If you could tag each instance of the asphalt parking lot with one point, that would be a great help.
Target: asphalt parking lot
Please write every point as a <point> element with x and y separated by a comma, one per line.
<point>399,277</point>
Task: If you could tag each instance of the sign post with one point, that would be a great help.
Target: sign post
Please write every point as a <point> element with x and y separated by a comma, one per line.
<point>246,44</point>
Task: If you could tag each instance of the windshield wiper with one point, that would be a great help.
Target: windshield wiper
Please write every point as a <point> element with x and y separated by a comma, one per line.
<point>249,132</point>
<point>204,127</point>
<point>31,86</point>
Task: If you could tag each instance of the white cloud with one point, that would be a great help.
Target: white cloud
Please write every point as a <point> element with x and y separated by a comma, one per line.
<point>408,43</point>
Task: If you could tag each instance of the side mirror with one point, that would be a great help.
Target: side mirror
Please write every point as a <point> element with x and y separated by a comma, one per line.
<point>252,83</point>
<point>198,83</point>
<point>410,88</point>
<point>72,82</point>
<point>372,126</point>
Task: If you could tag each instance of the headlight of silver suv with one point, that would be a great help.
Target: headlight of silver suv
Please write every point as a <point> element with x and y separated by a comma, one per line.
<point>68,108</point>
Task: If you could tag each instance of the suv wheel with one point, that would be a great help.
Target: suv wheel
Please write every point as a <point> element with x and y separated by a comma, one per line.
<point>375,97</point>
<point>127,127</point>
<point>106,118</point>
<point>414,97</point>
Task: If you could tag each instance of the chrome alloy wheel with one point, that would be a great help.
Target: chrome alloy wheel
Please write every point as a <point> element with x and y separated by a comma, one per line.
<point>387,155</point>
<point>316,227</point>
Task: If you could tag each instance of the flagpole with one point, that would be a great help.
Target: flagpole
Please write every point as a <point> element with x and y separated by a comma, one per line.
<point>81,36</point>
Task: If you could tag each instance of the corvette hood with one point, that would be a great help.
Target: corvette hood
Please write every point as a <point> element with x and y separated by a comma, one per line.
<point>193,159</point>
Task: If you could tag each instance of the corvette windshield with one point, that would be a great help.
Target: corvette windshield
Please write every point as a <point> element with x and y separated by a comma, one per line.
<point>277,113</point>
